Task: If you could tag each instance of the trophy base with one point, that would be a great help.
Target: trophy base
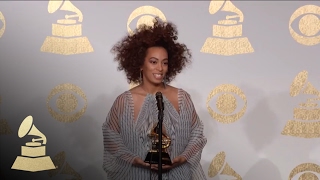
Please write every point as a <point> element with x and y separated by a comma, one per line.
<point>153,158</point>
<point>33,164</point>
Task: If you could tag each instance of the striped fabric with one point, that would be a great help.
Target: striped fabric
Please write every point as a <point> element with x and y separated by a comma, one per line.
<point>125,138</point>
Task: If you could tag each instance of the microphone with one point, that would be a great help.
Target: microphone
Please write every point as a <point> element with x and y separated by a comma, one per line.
<point>160,118</point>
<point>159,101</point>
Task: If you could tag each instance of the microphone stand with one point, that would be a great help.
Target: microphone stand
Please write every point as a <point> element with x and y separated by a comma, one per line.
<point>160,118</point>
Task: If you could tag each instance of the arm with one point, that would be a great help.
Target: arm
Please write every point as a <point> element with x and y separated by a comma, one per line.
<point>197,141</point>
<point>116,155</point>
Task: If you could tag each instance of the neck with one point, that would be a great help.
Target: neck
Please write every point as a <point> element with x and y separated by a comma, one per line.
<point>151,88</point>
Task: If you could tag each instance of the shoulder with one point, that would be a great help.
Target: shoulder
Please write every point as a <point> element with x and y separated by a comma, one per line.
<point>185,98</point>
<point>122,96</point>
<point>137,94</point>
<point>177,91</point>
<point>180,92</point>
<point>121,99</point>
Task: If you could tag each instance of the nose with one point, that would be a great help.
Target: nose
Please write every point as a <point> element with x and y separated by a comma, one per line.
<point>160,67</point>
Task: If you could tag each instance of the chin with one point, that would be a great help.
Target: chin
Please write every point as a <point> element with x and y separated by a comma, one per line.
<point>157,82</point>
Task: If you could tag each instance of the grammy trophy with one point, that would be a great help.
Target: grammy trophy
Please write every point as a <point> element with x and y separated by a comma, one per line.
<point>153,155</point>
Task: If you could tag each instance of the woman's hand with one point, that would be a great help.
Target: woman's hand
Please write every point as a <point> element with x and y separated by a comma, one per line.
<point>140,163</point>
<point>178,161</point>
<point>175,162</point>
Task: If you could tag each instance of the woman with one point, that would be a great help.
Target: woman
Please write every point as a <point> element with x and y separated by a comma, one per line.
<point>152,58</point>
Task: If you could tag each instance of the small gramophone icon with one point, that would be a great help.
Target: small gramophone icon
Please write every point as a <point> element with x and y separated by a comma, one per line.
<point>33,155</point>
<point>306,122</point>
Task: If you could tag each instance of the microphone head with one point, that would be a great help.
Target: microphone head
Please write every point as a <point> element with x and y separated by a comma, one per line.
<point>159,101</point>
<point>158,95</point>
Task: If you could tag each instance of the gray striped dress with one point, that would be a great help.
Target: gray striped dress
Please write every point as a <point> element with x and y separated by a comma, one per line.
<point>125,138</point>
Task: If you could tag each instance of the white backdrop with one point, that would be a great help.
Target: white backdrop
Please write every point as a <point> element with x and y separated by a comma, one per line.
<point>254,81</point>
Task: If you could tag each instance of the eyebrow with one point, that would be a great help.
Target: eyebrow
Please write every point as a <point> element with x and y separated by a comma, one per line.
<point>157,58</point>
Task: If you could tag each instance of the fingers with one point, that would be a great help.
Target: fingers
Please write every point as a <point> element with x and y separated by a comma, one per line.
<point>176,160</point>
<point>140,162</point>
<point>164,167</point>
<point>146,164</point>
<point>154,167</point>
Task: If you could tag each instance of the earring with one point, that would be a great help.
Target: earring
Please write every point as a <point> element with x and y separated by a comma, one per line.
<point>140,76</point>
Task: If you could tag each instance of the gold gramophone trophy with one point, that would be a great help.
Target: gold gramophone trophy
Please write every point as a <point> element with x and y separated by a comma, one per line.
<point>66,36</point>
<point>153,155</point>
<point>33,155</point>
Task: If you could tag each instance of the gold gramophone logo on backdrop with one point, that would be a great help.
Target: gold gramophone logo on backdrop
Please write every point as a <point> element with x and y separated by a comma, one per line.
<point>67,100</point>
<point>2,24</point>
<point>33,155</point>
<point>66,36</point>
<point>220,166</point>
<point>227,103</point>
<point>306,170</point>
<point>148,14</point>
<point>227,35</point>
<point>63,167</point>
<point>309,25</point>
<point>306,123</point>
<point>4,126</point>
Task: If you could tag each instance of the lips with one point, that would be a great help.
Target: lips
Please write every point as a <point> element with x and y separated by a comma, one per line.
<point>158,76</point>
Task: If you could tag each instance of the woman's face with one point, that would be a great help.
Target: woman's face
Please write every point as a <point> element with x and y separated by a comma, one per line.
<point>155,65</point>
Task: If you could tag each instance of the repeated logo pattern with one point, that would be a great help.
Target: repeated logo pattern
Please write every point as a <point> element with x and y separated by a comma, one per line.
<point>227,103</point>
<point>219,166</point>
<point>66,36</point>
<point>304,169</point>
<point>2,24</point>
<point>68,96</point>
<point>63,167</point>
<point>227,40</point>
<point>306,123</point>
<point>309,25</point>
<point>33,156</point>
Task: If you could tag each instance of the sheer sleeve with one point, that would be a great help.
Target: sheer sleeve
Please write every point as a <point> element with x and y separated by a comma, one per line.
<point>117,158</point>
<point>197,140</point>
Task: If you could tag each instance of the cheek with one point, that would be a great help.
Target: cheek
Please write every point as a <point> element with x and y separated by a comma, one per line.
<point>148,67</point>
<point>166,68</point>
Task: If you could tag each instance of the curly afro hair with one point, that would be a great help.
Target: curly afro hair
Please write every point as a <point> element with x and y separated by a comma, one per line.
<point>130,52</point>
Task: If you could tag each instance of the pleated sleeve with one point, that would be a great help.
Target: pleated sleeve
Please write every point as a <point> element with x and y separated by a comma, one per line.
<point>117,158</point>
<point>197,140</point>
